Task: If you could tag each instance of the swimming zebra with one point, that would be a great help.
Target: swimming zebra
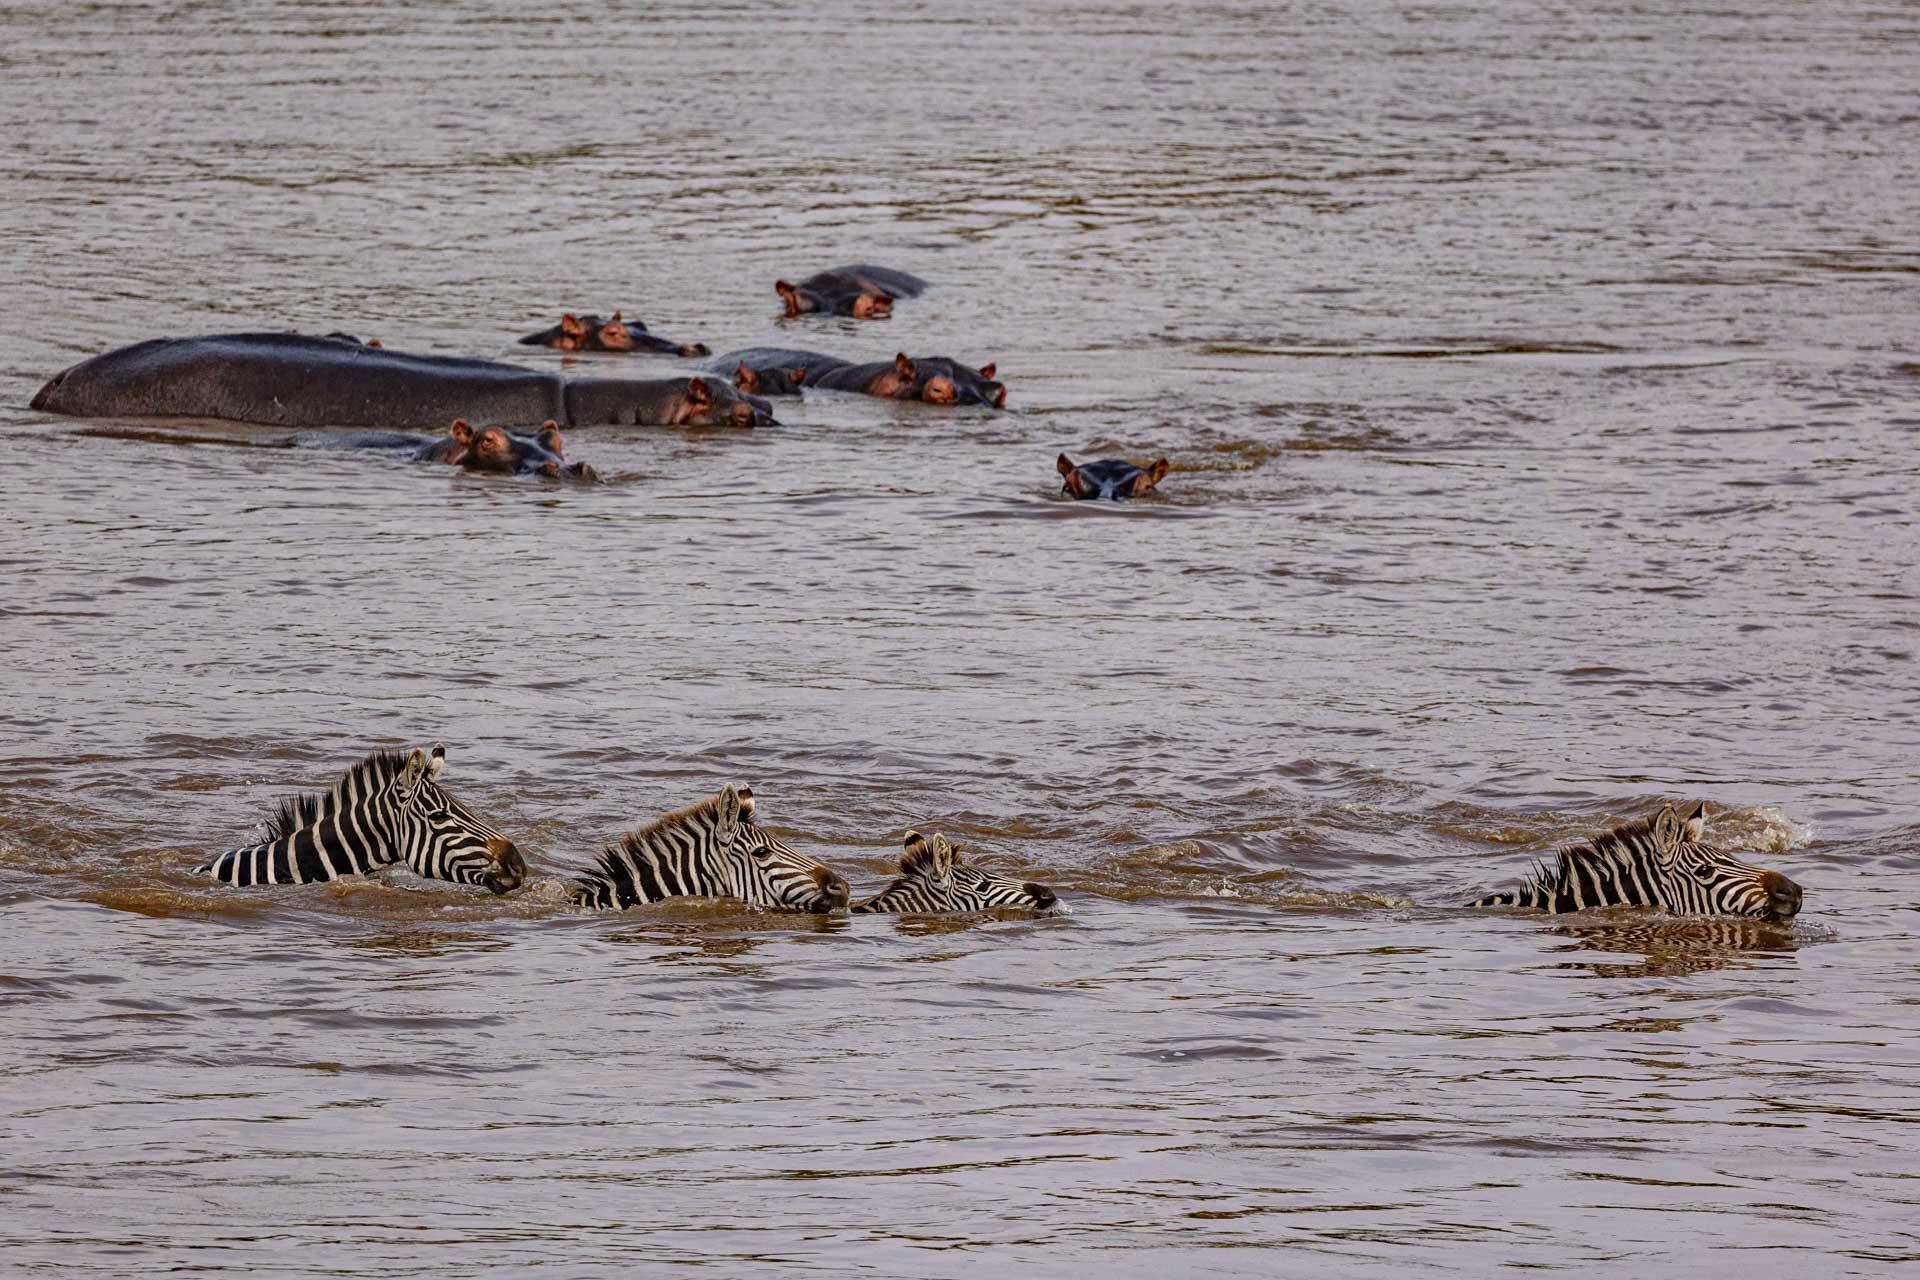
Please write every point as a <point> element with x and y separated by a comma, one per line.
<point>933,879</point>
<point>1657,862</point>
<point>709,850</point>
<point>387,808</point>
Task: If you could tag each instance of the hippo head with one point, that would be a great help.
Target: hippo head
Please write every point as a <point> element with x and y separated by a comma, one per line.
<point>1109,478</point>
<point>769,382</point>
<point>614,335</point>
<point>715,404</point>
<point>499,450</point>
<point>950,382</point>
<point>839,294</point>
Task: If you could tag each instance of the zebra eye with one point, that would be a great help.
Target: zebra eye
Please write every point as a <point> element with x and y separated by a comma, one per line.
<point>440,815</point>
<point>1701,871</point>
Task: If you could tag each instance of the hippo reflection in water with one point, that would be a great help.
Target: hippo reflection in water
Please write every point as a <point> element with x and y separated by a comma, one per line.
<point>771,371</point>
<point>591,333</point>
<point>493,449</point>
<point>865,293</point>
<point>1109,478</point>
<point>292,380</point>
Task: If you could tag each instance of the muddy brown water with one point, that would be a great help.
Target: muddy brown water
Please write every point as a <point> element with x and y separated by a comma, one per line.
<point>1542,386</point>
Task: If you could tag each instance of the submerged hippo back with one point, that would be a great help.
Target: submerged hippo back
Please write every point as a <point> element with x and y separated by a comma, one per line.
<point>286,379</point>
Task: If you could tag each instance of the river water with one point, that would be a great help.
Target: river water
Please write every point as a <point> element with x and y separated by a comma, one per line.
<point>1542,387</point>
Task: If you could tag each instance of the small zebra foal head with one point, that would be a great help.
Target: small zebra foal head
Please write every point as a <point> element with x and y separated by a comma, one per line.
<point>442,837</point>
<point>713,849</point>
<point>1658,862</point>
<point>933,879</point>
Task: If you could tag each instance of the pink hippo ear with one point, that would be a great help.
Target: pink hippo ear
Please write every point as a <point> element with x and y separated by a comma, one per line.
<point>571,326</point>
<point>1065,465</point>
<point>461,433</point>
<point>904,367</point>
<point>1153,475</point>
<point>698,393</point>
<point>373,342</point>
<point>788,294</point>
<point>746,379</point>
<point>986,371</point>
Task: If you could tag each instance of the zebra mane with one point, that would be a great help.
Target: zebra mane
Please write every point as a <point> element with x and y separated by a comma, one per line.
<point>298,812</point>
<point>639,840</point>
<point>1608,846</point>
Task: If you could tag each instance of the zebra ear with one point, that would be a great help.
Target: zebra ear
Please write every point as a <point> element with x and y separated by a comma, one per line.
<point>1696,822</point>
<point>1666,829</point>
<point>416,769</point>
<point>945,857</point>
<point>730,808</point>
<point>438,762</point>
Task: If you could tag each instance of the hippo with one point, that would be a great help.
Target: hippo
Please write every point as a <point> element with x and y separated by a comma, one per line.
<point>591,333</point>
<point>499,450</point>
<point>492,449</point>
<point>1109,478</point>
<point>865,293</point>
<point>774,371</point>
<point>295,380</point>
<point>934,379</point>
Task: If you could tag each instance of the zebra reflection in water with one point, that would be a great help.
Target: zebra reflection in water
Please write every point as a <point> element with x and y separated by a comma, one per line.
<point>710,850</point>
<point>386,809</point>
<point>1659,862</point>
<point>934,880</point>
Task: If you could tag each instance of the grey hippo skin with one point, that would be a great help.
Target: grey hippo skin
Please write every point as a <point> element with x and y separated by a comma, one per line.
<point>292,380</point>
<point>1112,478</point>
<point>774,371</point>
<point>493,449</point>
<point>863,292</point>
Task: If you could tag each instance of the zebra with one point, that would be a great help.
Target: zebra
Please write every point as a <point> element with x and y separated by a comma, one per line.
<point>386,809</point>
<point>1656,862</point>
<point>711,849</point>
<point>933,879</point>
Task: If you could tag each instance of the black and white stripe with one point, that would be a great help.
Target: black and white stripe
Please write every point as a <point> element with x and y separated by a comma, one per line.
<point>1659,862</point>
<point>386,809</point>
<point>710,850</point>
<point>934,880</point>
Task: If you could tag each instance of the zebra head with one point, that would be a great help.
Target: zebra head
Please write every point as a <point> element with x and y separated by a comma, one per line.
<point>933,878</point>
<point>441,838</point>
<point>1657,862</point>
<point>710,850</point>
<point>1702,880</point>
<point>768,871</point>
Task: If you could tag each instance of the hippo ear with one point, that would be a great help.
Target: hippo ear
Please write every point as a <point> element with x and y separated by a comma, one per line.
<point>1152,476</point>
<point>1064,465</point>
<point>797,374</point>
<point>987,372</point>
<point>1695,823</point>
<point>727,813</point>
<point>904,367</point>
<point>373,342</point>
<point>789,295</point>
<point>437,762</point>
<point>616,318</point>
<point>461,432</point>
<point>746,379</point>
<point>549,438</point>
<point>698,393</point>
<point>571,326</point>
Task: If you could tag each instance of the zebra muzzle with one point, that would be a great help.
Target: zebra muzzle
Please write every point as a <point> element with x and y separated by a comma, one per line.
<point>1783,895</point>
<point>834,890</point>
<point>510,869</point>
